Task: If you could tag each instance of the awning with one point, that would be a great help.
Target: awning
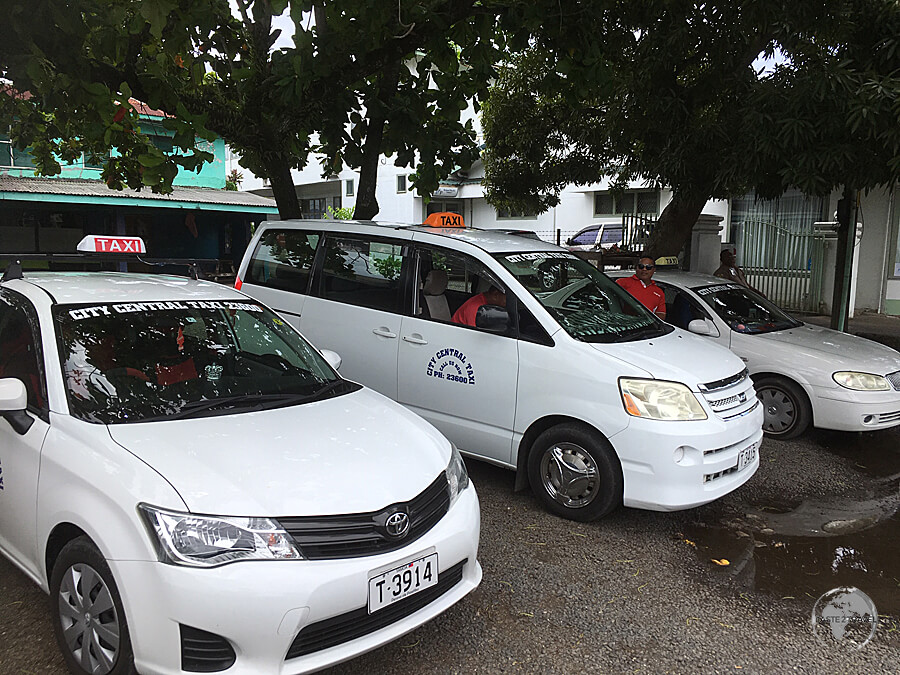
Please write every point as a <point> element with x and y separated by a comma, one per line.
<point>92,192</point>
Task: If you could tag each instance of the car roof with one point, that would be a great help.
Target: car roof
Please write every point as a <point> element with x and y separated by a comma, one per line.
<point>492,241</point>
<point>78,287</point>
<point>678,277</point>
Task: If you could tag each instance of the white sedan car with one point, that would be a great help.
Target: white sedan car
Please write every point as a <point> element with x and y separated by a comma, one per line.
<point>804,374</point>
<point>198,489</point>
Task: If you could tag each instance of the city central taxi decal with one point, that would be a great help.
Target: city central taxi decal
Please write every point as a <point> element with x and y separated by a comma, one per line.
<point>1,476</point>
<point>451,365</point>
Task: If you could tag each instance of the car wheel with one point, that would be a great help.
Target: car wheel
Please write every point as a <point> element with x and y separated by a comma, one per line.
<point>575,472</point>
<point>786,411</point>
<point>89,620</point>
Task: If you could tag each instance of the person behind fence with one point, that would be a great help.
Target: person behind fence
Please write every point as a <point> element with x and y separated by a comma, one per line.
<point>729,270</point>
<point>644,289</point>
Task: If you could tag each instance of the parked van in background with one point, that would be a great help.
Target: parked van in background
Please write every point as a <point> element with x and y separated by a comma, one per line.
<point>573,383</point>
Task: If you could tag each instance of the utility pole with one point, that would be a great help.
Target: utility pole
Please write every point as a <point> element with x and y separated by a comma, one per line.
<point>843,266</point>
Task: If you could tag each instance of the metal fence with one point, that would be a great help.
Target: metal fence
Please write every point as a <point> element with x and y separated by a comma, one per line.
<point>785,264</point>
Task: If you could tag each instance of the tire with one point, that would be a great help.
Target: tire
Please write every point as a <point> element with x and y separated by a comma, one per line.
<point>575,472</point>
<point>786,410</point>
<point>87,607</point>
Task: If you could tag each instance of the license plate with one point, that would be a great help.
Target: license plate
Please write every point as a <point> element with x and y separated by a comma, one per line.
<point>747,456</point>
<point>401,582</point>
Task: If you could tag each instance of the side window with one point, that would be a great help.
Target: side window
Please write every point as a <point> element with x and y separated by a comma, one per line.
<point>283,259</point>
<point>681,308</point>
<point>457,278</point>
<point>363,272</point>
<point>20,353</point>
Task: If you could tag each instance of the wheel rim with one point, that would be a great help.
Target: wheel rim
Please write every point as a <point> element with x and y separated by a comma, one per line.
<point>779,410</point>
<point>90,624</point>
<point>570,475</point>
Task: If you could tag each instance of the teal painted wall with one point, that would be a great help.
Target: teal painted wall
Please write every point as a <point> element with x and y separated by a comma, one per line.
<point>211,174</point>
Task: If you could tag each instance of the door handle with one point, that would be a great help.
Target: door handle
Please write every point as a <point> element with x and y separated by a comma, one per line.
<point>415,339</point>
<point>384,332</point>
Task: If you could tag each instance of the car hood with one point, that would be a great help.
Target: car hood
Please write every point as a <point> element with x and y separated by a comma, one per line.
<point>678,356</point>
<point>844,351</point>
<point>350,454</point>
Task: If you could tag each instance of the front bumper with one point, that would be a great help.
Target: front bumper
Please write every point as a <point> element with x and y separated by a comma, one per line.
<point>847,410</point>
<point>260,607</point>
<point>670,466</point>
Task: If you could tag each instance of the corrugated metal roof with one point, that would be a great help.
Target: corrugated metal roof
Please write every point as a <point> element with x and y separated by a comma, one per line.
<point>86,190</point>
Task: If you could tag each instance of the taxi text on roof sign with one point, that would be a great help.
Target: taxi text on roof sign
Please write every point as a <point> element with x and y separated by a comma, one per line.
<point>94,243</point>
<point>444,219</point>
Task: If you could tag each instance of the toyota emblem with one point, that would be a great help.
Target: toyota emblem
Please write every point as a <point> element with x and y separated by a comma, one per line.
<point>397,524</point>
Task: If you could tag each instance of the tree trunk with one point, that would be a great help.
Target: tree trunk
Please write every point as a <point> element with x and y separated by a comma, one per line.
<point>674,226</point>
<point>376,116</point>
<point>283,190</point>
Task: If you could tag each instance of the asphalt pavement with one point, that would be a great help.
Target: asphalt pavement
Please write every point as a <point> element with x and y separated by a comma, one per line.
<point>639,592</point>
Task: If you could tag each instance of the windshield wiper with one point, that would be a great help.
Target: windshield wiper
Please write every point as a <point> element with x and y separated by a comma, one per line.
<point>255,401</point>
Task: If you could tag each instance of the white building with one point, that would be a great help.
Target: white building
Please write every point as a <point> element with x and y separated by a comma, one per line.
<point>787,222</point>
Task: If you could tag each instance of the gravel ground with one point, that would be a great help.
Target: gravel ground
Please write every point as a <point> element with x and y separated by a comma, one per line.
<point>631,593</point>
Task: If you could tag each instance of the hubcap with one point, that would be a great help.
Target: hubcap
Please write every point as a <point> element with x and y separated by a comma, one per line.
<point>780,414</point>
<point>570,475</point>
<point>88,615</point>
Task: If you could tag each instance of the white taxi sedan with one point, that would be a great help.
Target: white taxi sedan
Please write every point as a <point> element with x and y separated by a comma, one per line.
<point>198,490</point>
<point>804,374</point>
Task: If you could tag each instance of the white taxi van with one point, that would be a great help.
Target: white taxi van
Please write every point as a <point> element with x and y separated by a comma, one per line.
<point>198,490</point>
<point>560,375</point>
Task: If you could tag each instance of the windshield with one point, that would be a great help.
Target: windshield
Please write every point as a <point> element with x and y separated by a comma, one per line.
<point>134,362</point>
<point>745,311</point>
<point>585,302</point>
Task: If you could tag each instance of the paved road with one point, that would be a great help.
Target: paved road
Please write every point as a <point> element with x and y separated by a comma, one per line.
<point>637,592</point>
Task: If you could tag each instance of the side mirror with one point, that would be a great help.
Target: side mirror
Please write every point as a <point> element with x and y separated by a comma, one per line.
<point>13,396</point>
<point>492,318</point>
<point>13,401</point>
<point>703,327</point>
<point>334,359</point>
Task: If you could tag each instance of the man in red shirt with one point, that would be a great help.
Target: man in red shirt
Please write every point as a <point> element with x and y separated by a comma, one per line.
<point>466,313</point>
<point>644,289</point>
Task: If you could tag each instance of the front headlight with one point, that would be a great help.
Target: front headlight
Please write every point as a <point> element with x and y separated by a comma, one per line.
<point>660,400</point>
<point>861,381</point>
<point>457,476</point>
<point>208,541</point>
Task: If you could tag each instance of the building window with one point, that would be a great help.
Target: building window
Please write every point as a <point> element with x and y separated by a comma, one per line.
<point>644,202</point>
<point>9,156</point>
<point>348,184</point>
<point>513,214</point>
<point>401,183</point>
<point>444,206</point>
<point>313,208</point>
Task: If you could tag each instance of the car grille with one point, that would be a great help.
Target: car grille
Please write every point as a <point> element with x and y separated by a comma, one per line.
<point>731,397</point>
<point>358,622</point>
<point>359,534</point>
<point>894,379</point>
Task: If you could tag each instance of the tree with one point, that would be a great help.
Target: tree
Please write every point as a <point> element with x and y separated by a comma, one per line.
<point>344,81</point>
<point>671,95</point>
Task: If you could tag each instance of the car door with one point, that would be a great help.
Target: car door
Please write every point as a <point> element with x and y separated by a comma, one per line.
<point>462,379</point>
<point>358,296</point>
<point>20,454</point>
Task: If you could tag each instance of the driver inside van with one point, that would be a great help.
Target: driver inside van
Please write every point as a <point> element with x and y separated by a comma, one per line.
<point>467,312</point>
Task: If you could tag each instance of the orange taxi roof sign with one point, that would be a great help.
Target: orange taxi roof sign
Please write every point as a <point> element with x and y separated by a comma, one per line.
<point>444,219</point>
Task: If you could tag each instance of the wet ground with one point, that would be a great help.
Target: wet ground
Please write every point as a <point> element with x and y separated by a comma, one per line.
<point>798,546</point>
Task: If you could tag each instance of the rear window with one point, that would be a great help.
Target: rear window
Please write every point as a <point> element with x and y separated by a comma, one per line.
<point>283,260</point>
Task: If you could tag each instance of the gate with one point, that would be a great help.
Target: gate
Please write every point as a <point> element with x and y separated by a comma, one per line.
<point>785,264</point>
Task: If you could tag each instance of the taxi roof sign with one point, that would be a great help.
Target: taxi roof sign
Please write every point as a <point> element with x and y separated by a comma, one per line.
<point>445,219</point>
<point>95,243</point>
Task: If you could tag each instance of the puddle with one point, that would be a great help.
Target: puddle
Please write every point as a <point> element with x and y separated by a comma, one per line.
<point>807,567</point>
<point>801,550</point>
